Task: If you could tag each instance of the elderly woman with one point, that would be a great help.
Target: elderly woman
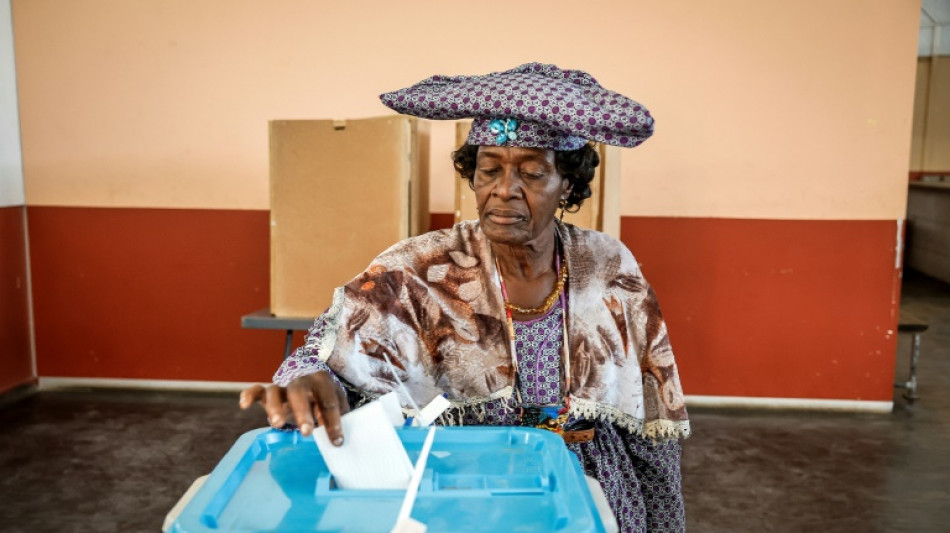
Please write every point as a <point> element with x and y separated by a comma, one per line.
<point>518,318</point>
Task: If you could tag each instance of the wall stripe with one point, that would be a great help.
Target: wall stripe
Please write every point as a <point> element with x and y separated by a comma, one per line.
<point>770,308</point>
<point>151,293</point>
<point>756,308</point>
<point>441,221</point>
<point>16,362</point>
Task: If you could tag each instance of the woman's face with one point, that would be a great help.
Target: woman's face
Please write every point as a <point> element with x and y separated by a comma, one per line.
<point>517,191</point>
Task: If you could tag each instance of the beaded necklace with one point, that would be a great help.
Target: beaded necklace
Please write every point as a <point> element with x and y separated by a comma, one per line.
<point>566,354</point>
<point>548,302</point>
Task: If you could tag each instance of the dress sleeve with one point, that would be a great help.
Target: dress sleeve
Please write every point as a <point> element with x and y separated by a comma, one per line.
<point>304,360</point>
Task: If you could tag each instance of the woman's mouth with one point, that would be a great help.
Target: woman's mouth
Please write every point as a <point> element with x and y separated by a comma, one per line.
<point>505,216</point>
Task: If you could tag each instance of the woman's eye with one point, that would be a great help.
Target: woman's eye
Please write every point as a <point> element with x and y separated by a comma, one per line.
<point>488,171</point>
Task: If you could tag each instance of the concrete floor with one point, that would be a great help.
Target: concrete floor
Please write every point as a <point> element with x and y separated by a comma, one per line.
<point>109,461</point>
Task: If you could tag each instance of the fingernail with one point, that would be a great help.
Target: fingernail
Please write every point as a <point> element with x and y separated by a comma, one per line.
<point>276,421</point>
<point>306,429</point>
<point>338,441</point>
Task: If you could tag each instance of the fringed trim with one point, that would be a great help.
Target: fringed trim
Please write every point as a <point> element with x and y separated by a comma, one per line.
<point>455,414</point>
<point>656,430</point>
<point>361,397</point>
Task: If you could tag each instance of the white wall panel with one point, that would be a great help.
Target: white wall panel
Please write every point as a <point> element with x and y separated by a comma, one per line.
<point>11,167</point>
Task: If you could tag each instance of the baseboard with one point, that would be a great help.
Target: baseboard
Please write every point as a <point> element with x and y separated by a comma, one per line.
<point>806,404</point>
<point>55,383</point>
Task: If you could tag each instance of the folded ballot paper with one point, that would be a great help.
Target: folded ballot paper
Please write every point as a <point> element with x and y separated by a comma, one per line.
<point>373,457</point>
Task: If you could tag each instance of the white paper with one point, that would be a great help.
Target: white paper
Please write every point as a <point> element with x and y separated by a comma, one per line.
<point>430,412</point>
<point>391,407</point>
<point>372,456</point>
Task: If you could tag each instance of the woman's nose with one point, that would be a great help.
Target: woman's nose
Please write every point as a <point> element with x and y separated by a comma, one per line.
<point>509,184</point>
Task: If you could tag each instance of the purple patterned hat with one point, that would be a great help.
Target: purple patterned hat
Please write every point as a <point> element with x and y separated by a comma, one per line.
<point>534,106</point>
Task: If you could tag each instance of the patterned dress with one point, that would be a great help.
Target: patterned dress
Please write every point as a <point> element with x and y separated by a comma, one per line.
<point>640,478</point>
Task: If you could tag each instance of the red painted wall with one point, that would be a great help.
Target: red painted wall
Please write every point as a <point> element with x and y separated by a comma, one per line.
<point>441,221</point>
<point>769,308</point>
<point>15,360</point>
<point>151,293</point>
<point>775,308</point>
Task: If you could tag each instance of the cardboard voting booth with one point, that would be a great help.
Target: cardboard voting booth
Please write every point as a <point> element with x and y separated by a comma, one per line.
<point>341,192</point>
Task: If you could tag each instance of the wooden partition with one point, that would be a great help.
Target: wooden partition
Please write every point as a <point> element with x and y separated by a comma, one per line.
<point>930,146</point>
<point>341,193</point>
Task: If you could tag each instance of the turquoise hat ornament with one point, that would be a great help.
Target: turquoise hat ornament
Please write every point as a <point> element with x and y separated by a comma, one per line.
<point>504,130</point>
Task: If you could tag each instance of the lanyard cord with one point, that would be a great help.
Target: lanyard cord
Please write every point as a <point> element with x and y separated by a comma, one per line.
<point>565,351</point>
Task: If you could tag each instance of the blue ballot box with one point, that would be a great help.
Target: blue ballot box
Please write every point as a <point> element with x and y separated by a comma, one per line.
<point>476,479</point>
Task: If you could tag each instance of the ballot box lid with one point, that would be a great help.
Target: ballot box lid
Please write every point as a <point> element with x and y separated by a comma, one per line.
<point>476,479</point>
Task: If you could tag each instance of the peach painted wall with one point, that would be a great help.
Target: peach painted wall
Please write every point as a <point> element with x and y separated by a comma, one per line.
<point>765,110</point>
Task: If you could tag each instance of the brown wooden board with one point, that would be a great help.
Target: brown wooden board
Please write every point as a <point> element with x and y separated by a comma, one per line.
<point>341,193</point>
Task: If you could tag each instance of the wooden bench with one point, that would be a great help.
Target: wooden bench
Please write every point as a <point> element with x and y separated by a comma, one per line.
<point>909,323</point>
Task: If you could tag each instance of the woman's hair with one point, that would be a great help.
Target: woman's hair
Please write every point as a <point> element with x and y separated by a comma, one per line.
<point>576,166</point>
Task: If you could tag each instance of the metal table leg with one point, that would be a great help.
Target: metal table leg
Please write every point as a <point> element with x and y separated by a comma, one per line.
<point>289,343</point>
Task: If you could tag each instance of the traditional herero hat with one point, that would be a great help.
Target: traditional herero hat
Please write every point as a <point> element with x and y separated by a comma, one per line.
<point>533,106</point>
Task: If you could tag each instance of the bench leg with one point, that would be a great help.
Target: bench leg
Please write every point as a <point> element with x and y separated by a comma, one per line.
<point>911,385</point>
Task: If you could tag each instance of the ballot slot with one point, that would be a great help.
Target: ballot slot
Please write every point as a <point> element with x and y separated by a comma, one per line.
<point>464,485</point>
<point>493,485</point>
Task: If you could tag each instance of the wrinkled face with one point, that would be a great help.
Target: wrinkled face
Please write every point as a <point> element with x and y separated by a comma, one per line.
<point>517,191</point>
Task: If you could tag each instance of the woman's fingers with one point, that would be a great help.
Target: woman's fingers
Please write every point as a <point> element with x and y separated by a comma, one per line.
<point>300,398</point>
<point>312,400</point>
<point>344,401</point>
<point>251,395</point>
<point>328,406</point>
<point>274,406</point>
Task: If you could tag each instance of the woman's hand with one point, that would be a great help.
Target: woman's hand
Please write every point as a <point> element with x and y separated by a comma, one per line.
<point>307,398</point>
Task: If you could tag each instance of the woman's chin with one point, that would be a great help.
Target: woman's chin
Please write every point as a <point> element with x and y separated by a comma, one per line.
<point>523,232</point>
<point>506,233</point>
